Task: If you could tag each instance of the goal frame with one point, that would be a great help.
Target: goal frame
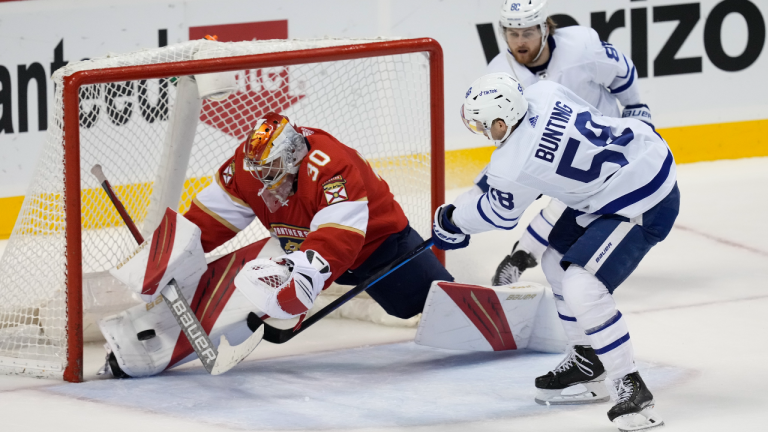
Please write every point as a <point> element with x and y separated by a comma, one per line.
<point>73,372</point>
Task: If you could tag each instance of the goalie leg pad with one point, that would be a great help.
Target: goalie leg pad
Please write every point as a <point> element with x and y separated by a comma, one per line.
<point>232,323</point>
<point>173,252</point>
<point>146,339</point>
<point>135,357</point>
<point>139,354</point>
<point>477,318</point>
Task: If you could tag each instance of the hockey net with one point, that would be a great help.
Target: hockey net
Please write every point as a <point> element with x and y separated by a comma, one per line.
<point>140,117</point>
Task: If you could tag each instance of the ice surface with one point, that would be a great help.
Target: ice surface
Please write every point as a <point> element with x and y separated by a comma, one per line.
<point>399,385</point>
<point>695,308</point>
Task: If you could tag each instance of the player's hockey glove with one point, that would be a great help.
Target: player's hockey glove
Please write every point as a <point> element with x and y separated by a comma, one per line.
<point>286,286</point>
<point>638,112</point>
<point>445,234</point>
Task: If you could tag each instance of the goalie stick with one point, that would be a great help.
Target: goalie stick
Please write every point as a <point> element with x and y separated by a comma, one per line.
<point>215,361</point>
<point>278,336</point>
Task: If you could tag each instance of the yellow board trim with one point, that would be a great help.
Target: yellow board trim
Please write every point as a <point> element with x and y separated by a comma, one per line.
<point>9,211</point>
<point>462,166</point>
<point>97,210</point>
<point>717,141</point>
<point>688,143</point>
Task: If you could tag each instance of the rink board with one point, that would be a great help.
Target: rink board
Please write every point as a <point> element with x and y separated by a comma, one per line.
<point>396,385</point>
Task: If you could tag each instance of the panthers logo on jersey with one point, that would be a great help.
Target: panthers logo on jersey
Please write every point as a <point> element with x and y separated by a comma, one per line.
<point>291,236</point>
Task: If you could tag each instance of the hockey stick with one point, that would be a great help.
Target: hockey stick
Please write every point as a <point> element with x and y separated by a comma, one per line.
<point>278,336</point>
<point>215,361</point>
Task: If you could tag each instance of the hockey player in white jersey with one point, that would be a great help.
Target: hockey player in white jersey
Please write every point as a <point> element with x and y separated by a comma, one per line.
<point>618,178</point>
<point>576,58</point>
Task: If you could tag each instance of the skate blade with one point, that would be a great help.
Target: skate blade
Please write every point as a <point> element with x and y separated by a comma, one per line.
<point>644,420</point>
<point>595,392</point>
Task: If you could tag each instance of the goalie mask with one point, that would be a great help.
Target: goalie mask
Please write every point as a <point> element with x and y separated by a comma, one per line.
<point>273,153</point>
<point>493,96</point>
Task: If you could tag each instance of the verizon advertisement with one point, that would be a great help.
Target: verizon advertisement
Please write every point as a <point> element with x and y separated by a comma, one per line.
<point>700,62</point>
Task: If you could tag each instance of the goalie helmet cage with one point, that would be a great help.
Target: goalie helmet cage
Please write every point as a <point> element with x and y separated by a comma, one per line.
<point>381,97</point>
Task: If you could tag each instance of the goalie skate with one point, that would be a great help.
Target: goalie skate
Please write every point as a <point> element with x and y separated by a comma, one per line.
<point>578,379</point>
<point>634,409</point>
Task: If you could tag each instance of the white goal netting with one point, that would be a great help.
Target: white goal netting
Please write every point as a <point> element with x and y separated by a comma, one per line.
<point>159,145</point>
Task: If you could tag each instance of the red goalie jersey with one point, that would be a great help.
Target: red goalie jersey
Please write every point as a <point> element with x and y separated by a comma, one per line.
<point>340,207</point>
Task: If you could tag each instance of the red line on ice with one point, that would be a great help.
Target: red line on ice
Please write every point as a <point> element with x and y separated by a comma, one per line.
<point>722,240</point>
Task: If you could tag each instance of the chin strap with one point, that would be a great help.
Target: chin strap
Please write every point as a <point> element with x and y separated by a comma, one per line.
<point>498,143</point>
<point>512,62</point>
<point>544,35</point>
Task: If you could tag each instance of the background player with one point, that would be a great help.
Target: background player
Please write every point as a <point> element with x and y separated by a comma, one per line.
<point>576,58</point>
<point>618,178</point>
<point>335,218</point>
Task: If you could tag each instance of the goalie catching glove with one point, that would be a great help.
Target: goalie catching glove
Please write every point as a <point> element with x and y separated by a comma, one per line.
<point>286,286</point>
<point>446,235</point>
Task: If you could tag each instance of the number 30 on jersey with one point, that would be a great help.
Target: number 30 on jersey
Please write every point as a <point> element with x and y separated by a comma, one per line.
<point>320,159</point>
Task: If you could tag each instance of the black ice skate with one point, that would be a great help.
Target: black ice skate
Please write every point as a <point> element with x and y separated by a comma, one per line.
<point>578,379</point>
<point>512,266</point>
<point>634,409</point>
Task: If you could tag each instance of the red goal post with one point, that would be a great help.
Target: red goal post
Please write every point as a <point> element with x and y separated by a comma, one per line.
<point>71,107</point>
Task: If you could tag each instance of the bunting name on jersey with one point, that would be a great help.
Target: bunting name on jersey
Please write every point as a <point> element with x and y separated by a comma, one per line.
<point>553,132</point>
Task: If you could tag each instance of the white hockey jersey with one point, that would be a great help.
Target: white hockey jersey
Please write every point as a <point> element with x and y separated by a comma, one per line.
<point>565,149</point>
<point>596,71</point>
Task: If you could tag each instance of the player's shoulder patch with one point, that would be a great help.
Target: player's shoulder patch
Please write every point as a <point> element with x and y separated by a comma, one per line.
<point>335,191</point>
<point>228,174</point>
